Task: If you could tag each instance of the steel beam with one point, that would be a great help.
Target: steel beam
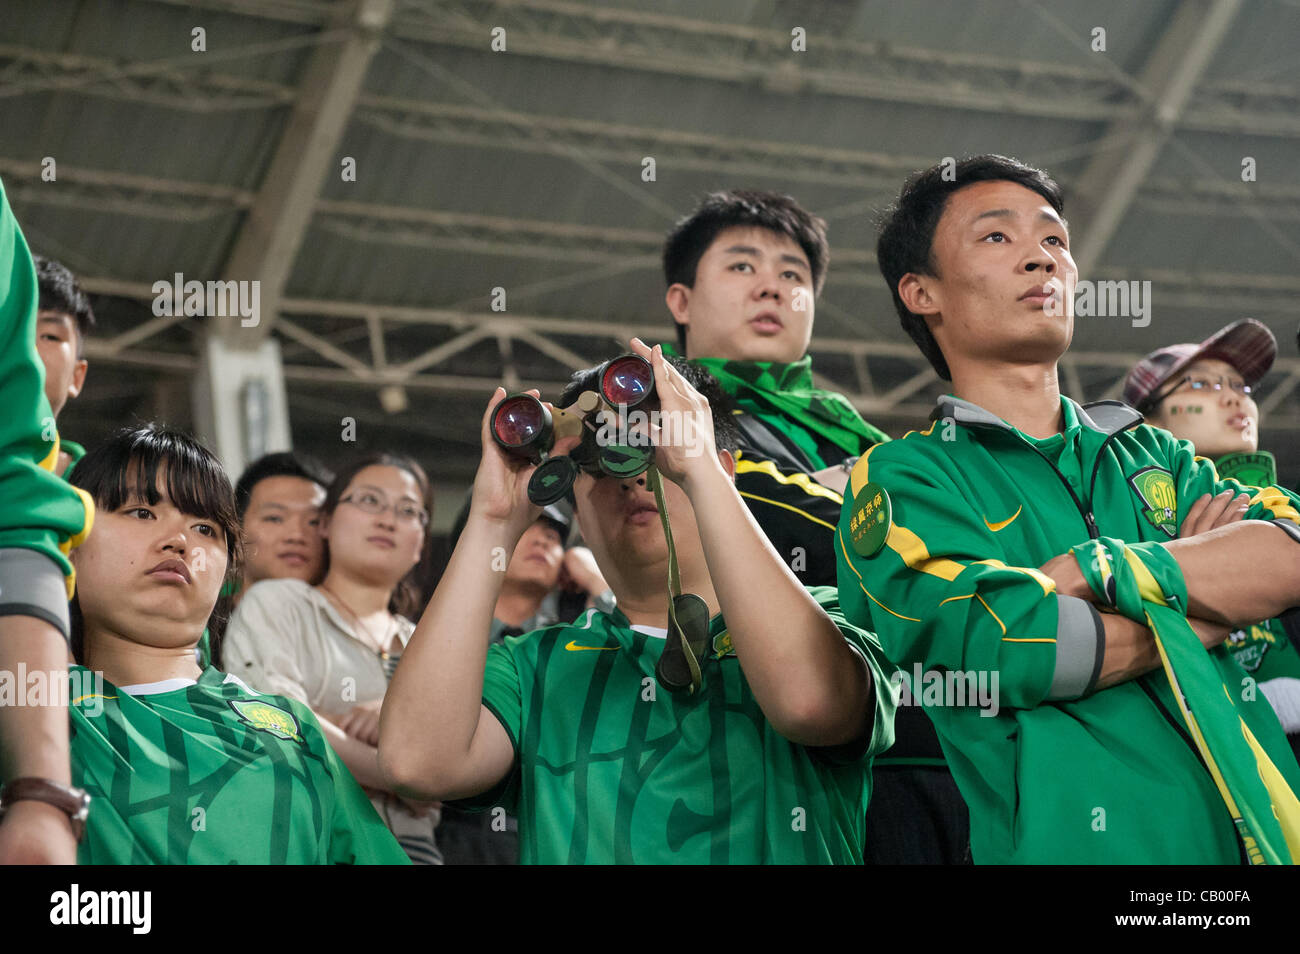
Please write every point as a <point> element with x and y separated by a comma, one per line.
<point>267,246</point>
<point>1112,179</point>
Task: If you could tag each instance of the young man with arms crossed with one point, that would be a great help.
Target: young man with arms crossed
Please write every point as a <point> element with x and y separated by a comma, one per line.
<point>1120,737</point>
<point>768,761</point>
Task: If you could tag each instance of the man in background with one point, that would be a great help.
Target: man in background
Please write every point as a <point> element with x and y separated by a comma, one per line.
<point>743,273</point>
<point>278,498</point>
<point>63,320</point>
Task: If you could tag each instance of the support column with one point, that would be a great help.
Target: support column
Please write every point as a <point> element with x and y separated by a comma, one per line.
<point>241,408</point>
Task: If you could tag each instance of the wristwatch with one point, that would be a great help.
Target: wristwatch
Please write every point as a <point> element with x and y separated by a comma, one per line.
<point>65,798</point>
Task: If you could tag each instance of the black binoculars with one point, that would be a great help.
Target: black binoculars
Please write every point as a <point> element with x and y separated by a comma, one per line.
<point>524,427</point>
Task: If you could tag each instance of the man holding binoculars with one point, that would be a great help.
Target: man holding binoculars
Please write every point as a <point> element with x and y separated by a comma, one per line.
<point>754,745</point>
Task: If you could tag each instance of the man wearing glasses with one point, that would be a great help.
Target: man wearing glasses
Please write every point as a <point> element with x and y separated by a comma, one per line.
<point>1204,393</point>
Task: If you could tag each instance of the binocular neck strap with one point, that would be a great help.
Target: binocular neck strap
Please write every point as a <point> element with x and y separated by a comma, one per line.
<point>675,630</point>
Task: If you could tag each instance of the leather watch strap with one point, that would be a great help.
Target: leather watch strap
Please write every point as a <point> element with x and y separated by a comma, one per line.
<point>74,801</point>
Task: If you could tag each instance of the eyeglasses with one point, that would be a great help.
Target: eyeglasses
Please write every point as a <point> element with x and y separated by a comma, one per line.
<point>1241,388</point>
<point>368,501</point>
<point>1205,384</point>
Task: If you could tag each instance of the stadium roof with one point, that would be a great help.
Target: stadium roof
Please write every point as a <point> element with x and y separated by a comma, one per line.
<point>523,168</point>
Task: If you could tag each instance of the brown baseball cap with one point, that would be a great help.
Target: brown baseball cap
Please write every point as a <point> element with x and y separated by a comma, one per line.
<point>1247,345</point>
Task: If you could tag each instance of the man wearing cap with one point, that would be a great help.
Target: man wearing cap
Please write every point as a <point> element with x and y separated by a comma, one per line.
<point>544,571</point>
<point>1203,393</point>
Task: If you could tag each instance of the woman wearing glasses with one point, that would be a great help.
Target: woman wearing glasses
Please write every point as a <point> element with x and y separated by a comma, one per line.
<point>1204,393</point>
<point>335,645</point>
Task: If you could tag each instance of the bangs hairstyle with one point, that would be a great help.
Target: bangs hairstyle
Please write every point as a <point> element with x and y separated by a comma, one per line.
<point>726,433</point>
<point>906,242</point>
<point>691,237</point>
<point>130,466</point>
<point>406,597</point>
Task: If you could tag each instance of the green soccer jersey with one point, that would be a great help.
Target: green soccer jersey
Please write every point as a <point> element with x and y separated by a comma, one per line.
<point>215,773</point>
<point>1265,651</point>
<point>613,768</point>
<point>1058,772</point>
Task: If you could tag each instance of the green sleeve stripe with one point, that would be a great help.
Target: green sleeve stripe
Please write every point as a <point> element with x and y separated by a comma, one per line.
<point>849,563</point>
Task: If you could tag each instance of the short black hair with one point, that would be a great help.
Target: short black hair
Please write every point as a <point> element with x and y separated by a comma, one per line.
<point>127,467</point>
<point>691,237</point>
<point>59,291</point>
<point>278,464</point>
<point>906,242</point>
<point>726,433</point>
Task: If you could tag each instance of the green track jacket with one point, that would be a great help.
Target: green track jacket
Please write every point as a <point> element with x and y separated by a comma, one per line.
<point>1053,771</point>
<point>41,516</point>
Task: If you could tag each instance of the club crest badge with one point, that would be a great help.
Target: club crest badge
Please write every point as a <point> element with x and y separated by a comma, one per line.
<point>1155,488</point>
<point>267,718</point>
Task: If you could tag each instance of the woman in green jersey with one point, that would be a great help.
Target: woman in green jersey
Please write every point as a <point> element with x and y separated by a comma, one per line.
<point>182,764</point>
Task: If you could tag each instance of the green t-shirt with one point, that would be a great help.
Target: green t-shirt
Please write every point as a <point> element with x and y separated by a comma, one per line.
<point>215,773</point>
<point>613,768</point>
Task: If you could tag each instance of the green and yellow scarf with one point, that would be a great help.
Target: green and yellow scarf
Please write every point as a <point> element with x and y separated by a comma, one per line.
<point>1144,582</point>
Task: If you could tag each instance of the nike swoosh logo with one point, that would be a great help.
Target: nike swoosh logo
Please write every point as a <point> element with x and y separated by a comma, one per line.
<point>573,647</point>
<point>1003,524</point>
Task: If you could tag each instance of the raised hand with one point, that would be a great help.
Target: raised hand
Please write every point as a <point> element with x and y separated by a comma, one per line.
<point>683,439</point>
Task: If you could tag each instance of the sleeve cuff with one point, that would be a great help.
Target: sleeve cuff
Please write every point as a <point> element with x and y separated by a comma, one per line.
<point>31,584</point>
<point>1080,646</point>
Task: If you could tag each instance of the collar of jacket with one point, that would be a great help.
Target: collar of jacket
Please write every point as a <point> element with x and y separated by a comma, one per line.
<point>1104,417</point>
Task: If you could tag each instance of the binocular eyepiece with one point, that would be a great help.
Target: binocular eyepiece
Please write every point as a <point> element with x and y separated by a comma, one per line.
<point>524,427</point>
